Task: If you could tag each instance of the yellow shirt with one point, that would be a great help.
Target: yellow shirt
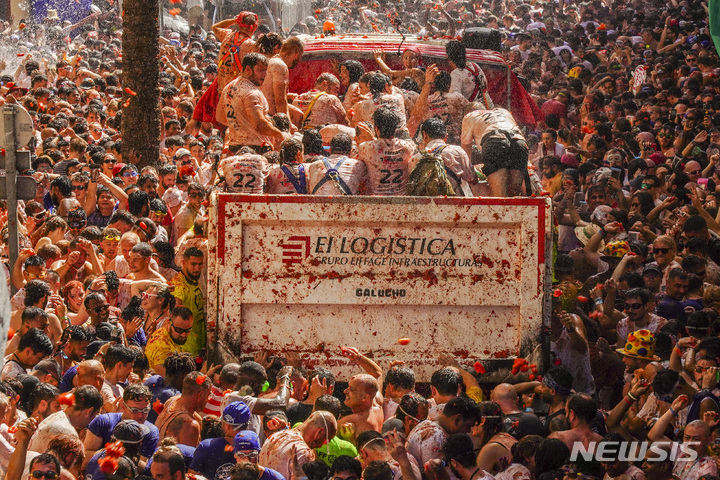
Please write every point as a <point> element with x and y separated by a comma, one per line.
<point>190,296</point>
<point>161,345</point>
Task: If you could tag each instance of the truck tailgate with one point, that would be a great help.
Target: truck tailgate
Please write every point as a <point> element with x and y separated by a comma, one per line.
<point>309,274</point>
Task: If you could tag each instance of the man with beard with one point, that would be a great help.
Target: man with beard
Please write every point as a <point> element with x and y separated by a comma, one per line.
<point>73,346</point>
<point>140,258</point>
<point>275,86</point>
<point>244,109</point>
<point>171,338</point>
<point>188,293</point>
<point>59,199</point>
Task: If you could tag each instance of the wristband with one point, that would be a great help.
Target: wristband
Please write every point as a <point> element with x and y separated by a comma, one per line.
<point>602,232</point>
<point>674,413</point>
<point>632,397</point>
<point>599,301</point>
<point>628,401</point>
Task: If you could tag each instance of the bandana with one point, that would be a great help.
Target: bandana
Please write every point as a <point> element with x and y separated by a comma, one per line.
<point>550,382</point>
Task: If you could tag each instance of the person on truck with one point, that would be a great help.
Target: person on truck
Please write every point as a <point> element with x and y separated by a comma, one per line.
<point>244,109</point>
<point>337,174</point>
<point>467,77</point>
<point>448,106</point>
<point>291,175</point>
<point>276,83</point>
<point>244,173</point>
<point>503,147</point>
<point>387,158</point>
<point>235,35</point>
<point>321,106</point>
<point>382,96</point>
<point>460,171</point>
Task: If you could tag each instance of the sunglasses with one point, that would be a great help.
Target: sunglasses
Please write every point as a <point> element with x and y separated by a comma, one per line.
<point>690,59</point>
<point>634,306</point>
<point>39,215</point>
<point>32,275</point>
<point>646,186</point>
<point>101,308</point>
<point>112,238</point>
<point>195,195</point>
<point>139,410</point>
<point>76,224</point>
<point>49,475</point>
<point>661,251</point>
<point>147,296</point>
<point>158,213</point>
<point>109,160</point>
<point>701,369</point>
<point>131,173</point>
<point>694,172</point>
<point>181,330</point>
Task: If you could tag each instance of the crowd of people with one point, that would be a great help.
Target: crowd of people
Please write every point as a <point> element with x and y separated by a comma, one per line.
<point>106,372</point>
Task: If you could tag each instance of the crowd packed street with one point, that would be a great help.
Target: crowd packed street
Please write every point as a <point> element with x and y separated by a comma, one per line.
<point>106,372</point>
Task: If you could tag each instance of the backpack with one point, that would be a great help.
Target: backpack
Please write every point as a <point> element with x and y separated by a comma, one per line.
<point>429,178</point>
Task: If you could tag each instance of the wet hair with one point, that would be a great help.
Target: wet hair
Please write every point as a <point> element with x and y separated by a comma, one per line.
<point>244,471</point>
<point>253,59</point>
<point>525,449</point>
<point>410,404</point>
<point>447,381</point>
<point>37,341</point>
<point>355,71</point>
<point>434,128</point>
<point>401,377</point>
<point>464,406</point>
<point>330,404</point>
<point>442,82</point>
<point>459,447</point>
<point>136,392</point>
<point>267,43</point>
<point>584,406</point>
<point>312,142</point>
<point>180,363</point>
<point>46,459</point>
<point>643,294</point>
<point>86,397</point>
<point>118,354</point>
<point>211,428</point>
<point>34,291</point>
<point>289,149</point>
<point>345,463</point>
<point>341,144</point>
<point>456,53</point>
<point>377,83</point>
<point>386,121</point>
<point>551,454</point>
<point>377,470</point>
<point>44,391</point>
<point>665,381</point>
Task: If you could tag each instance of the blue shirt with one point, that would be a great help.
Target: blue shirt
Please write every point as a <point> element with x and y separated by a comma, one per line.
<point>160,392</point>
<point>103,425</point>
<point>66,384</point>
<point>212,459</point>
<point>92,471</point>
<point>270,474</point>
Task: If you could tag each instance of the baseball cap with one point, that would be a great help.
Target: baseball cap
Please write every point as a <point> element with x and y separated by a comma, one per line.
<point>116,169</point>
<point>130,431</point>
<point>246,440</point>
<point>650,268</point>
<point>236,413</point>
<point>87,84</point>
<point>181,153</point>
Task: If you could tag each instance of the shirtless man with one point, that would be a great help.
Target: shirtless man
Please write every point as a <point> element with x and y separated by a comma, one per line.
<point>139,259</point>
<point>581,410</point>
<point>275,86</point>
<point>288,450</point>
<point>363,397</point>
<point>181,417</point>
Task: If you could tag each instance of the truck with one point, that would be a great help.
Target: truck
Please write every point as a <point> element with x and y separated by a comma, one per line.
<point>400,278</point>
